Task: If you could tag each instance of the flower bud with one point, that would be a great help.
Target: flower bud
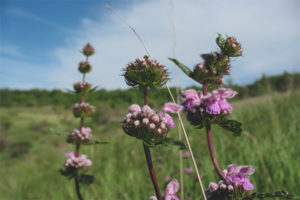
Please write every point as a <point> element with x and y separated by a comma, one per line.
<point>88,50</point>
<point>81,87</point>
<point>213,187</point>
<point>145,72</point>
<point>84,67</point>
<point>230,188</point>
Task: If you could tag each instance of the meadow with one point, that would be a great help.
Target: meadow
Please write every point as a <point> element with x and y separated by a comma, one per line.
<point>31,155</point>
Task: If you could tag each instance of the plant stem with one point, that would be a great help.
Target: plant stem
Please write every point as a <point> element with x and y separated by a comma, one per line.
<point>149,159</point>
<point>77,186</point>
<point>210,142</point>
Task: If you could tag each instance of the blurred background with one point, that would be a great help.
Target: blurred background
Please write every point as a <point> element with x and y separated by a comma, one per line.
<point>40,43</point>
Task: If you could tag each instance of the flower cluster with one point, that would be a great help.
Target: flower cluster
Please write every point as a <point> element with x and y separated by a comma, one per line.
<point>84,67</point>
<point>77,162</point>
<point>144,123</point>
<point>83,135</point>
<point>83,109</point>
<point>81,87</point>
<point>145,72</point>
<point>236,182</point>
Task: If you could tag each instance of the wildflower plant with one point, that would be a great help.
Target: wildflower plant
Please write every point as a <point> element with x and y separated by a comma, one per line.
<point>143,122</point>
<point>76,164</point>
<point>205,108</point>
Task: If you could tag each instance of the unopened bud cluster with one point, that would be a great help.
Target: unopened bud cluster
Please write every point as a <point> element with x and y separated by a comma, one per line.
<point>199,106</point>
<point>145,72</point>
<point>145,123</point>
<point>81,87</point>
<point>84,67</point>
<point>77,162</point>
<point>88,50</point>
<point>82,110</point>
<point>217,64</point>
<point>78,136</point>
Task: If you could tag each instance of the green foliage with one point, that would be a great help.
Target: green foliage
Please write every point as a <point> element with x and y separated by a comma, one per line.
<point>113,98</point>
<point>167,142</point>
<point>281,194</point>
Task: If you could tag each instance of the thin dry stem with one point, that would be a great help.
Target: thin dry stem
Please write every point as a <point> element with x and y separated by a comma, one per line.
<point>133,29</point>
<point>189,146</point>
<point>177,93</point>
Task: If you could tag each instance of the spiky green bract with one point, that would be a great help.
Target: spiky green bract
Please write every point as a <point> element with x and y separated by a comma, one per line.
<point>145,73</point>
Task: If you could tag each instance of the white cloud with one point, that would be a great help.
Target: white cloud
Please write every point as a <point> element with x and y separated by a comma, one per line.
<point>268,31</point>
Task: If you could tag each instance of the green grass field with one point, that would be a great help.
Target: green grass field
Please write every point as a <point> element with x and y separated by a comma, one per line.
<point>31,155</point>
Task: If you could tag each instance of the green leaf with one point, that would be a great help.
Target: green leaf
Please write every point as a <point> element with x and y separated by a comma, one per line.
<point>86,179</point>
<point>184,68</point>
<point>59,132</point>
<point>93,89</point>
<point>280,194</point>
<point>231,125</point>
<point>169,142</point>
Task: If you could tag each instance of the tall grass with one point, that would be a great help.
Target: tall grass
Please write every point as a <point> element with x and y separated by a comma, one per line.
<point>30,155</point>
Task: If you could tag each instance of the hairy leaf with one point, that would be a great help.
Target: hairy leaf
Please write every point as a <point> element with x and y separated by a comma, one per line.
<point>169,142</point>
<point>231,125</point>
<point>184,68</point>
<point>86,179</point>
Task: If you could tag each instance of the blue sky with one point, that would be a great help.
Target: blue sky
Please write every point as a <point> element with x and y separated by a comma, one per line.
<point>40,39</point>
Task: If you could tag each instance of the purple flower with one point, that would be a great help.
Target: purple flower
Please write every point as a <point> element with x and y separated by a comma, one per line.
<point>191,98</point>
<point>238,175</point>
<point>171,190</point>
<point>216,103</point>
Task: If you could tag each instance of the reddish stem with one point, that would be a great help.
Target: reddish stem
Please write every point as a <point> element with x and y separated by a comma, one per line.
<point>148,158</point>
<point>210,143</point>
<point>77,185</point>
<point>152,172</point>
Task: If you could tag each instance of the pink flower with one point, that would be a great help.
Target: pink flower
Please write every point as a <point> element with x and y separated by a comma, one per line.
<point>213,187</point>
<point>134,108</point>
<point>171,190</point>
<point>186,154</point>
<point>172,108</point>
<point>188,170</point>
<point>167,178</point>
